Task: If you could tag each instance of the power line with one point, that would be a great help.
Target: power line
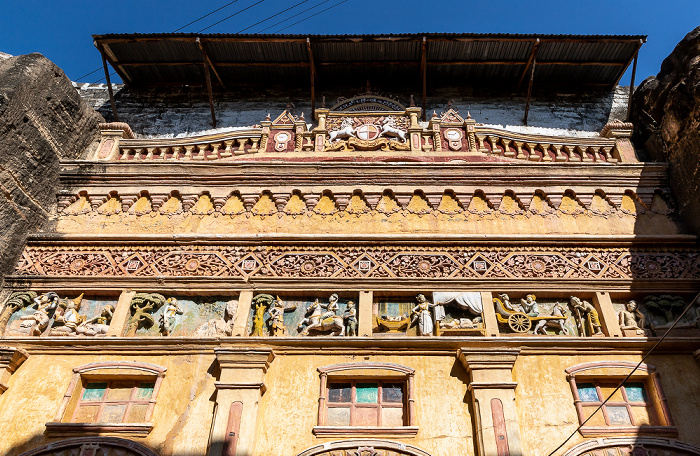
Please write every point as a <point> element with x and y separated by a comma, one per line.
<point>229,17</point>
<point>628,375</point>
<point>292,17</point>
<point>206,15</point>
<point>307,18</point>
<point>274,15</point>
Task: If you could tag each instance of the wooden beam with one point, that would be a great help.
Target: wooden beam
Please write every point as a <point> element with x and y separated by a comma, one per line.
<point>109,85</point>
<point>629,100</point>
<point>116,65</point>
<point>312,75</point>
<point>376,63</point>
<point>205,55</point>
<point>423,76</point>
<point>210,92</point>
<point>533,54</point>
<point>529,89</point>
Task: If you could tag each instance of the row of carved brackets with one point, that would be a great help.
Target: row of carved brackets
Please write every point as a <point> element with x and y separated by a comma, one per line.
<point>643,199</point>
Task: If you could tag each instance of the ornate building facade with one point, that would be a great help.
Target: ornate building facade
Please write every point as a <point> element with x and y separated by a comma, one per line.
<point>377,279</point>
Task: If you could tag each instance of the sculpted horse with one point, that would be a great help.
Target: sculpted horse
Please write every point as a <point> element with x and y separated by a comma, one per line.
<point>557,311</point>
<point>389,129</point>
<point>313,322</point>
<point>345,131</point>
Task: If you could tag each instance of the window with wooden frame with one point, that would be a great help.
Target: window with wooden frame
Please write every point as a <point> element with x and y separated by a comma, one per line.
<point>637,407</point>
<point>366,398</point>
<point>109,397</point>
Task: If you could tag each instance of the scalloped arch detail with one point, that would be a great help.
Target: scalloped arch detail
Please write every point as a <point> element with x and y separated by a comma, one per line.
<point>104,446</point>
<point>364,447</point>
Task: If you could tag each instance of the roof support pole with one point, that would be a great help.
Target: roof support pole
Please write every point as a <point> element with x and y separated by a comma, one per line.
<point>533,55</point>
<point>529,89</point>
<point>634,73</point>
<point>205,56</point>
<point>312,72</point>
<point>423,76</point>
<point>210,92</point>
<point>109,85</point>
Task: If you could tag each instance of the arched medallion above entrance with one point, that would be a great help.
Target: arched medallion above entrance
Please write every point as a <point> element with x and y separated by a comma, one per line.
<point>364,447</point>
<point>91,446</point>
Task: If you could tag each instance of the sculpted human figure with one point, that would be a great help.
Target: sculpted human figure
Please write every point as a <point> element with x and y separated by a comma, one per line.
<point>99,324</point>
<point>632,319</point>
<point>506,303</point>
<point>585,310</point>
<point>421,314</point>
<point>167,318</point>
<point>276,321</point>
<point>331,308</point>
<point>350,318</point>
<point>219,327</point>
<point>529,305</point>
<point>322,318</point>
<point>39,320</point>
<point>67,323</point>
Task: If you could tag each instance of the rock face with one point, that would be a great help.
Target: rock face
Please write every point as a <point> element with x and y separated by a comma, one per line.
<point>666,115</point>
<point>42,119</point>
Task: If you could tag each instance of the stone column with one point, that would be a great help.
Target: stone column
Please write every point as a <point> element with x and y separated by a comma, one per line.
<point>121,314</point>
<point>607,315</point>
<point>238,392</point>
<point>492,392</point>
<point>245,300</point>
<point>365,316</point>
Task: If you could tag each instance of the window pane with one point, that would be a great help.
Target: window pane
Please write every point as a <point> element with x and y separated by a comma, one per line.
<point>339,392</point>
<point>587,392</point>
<point>120,392</point>
<point>618,415</point>
<point>366,393</point>
<point>86,414</point>
<point>113,413</point>
<point>644,416</point>
<point>597,420</point>
<point>392,416</point>
<point>607,390</point>
<point>635,392</point>
<point>145,391</point>
<point>338,416</point>
<point>392,392</point>
<point>137,413</point>
<point>94,391</point>
<point>366,416</point>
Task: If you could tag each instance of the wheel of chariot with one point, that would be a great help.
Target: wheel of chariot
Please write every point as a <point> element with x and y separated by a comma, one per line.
<point>519,322</point>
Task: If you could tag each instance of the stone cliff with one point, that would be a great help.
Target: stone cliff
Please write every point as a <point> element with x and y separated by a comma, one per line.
<point>42,119</point>
<point>666,115</point>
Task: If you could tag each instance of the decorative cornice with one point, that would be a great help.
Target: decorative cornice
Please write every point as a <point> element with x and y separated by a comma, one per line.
<point>140,429</point>
<point>401,431</point>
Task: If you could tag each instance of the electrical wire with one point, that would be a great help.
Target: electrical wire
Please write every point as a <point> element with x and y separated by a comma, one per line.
<point>628,375</point>
<point>274,15</point>
<point>292,17</point>
<point>307,18</point>
<point>229,17</point>
<point>206,15</point>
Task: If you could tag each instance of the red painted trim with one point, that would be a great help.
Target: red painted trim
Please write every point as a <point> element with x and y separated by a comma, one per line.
<point>357,366</point>
<point>233,429</point>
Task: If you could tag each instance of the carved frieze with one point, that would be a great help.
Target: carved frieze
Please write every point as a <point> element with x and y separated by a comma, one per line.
<point>363,261</point>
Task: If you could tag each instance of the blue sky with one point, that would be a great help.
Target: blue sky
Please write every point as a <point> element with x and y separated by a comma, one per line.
<point>61,30</point>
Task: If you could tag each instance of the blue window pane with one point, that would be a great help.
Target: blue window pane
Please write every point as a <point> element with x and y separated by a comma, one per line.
<point>587,392</point>
<point>635,392</point>
<point>94,391</point>
<point>367,393</point>
<point>145,391</point>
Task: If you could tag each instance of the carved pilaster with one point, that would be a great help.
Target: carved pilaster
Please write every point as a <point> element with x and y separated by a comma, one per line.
<point>238,393</point>
<point>492,392</point>
<point>10,360</point>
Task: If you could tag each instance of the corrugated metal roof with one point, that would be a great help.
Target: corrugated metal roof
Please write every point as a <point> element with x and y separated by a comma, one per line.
<point>145,60</point>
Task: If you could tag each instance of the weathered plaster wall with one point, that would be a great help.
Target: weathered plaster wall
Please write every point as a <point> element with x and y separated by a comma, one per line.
<point>182,112</point>
<point>546,404</point>
<point>182,414</point>
<point>289,408</point>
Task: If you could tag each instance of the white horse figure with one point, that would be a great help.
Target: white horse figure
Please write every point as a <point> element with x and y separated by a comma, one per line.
<point>557,311</point>
<point>314,322</point>
<point>346,131</point>
<point>389,129</point>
